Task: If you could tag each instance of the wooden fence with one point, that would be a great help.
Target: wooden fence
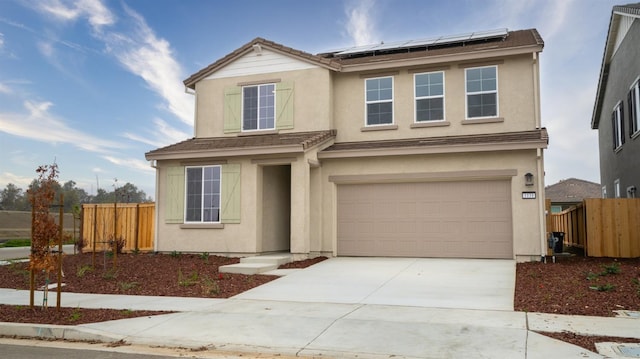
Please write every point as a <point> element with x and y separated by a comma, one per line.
<point>603,227</point>
<point>134,223</point>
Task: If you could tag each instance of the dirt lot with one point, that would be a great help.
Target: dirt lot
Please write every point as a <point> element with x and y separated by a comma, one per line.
<point>577,285</point>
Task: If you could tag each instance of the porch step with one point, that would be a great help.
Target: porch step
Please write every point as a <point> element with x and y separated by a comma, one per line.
<point>247,268</point>
<point>257,264</point>
<point>278,259</point>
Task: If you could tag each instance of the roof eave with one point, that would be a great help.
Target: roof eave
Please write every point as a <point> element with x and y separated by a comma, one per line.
<point>421,150</point>
<point>608,48</point>
<point>226,152</point>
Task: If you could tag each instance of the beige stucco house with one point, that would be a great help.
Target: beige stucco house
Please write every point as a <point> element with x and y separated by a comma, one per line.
<point>424,148</point>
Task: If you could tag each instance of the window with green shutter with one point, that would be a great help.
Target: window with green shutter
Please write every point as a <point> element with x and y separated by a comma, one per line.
<point>258,107</point>
<point>213,194</point>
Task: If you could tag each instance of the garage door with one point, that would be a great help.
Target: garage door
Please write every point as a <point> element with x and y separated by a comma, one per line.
<point>470,219</point>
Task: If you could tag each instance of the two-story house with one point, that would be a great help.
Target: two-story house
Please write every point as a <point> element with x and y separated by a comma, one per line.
<point>423,148</point>
<point>616,113</point>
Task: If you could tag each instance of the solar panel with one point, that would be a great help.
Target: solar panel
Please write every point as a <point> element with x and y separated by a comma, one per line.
<point>442,40</point>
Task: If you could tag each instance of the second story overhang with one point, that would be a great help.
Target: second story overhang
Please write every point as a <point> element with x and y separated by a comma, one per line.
<point>510,141</point>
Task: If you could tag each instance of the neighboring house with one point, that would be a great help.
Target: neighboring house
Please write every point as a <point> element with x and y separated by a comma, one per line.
<point>570,192</point>
<point>428,148</point>
<point>616,113</point>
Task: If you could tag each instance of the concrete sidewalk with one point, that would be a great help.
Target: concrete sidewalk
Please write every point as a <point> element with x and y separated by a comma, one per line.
<point>24,252</point>
<point>327,329</point>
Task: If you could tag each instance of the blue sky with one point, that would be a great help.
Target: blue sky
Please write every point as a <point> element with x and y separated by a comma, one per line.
<point>94,84</point>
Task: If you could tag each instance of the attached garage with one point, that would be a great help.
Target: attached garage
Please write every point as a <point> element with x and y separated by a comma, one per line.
<point>453,219</point>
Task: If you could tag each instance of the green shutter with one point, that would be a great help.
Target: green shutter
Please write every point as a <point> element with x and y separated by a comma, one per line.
<point>230,196</point>
<point>284,105</point>
<point>232,109</point>
<point>174,206</point>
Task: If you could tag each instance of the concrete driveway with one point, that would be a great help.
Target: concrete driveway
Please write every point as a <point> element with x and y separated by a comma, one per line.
<point>419,282</point>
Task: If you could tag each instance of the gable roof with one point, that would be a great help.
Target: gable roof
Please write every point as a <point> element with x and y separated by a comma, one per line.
<point>248,47</point>
<point>572,190</point>
<point>257,144</point>
<point>617,14</point>
<point>519,41</point>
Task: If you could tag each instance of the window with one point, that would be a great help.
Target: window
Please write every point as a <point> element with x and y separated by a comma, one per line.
<point>617,125</point>
<point>604,191</point>
<point>203,194</point>
<point>616,188</point>
<point>634,108</point>
<point>379,101</point>
<point>258,107</point>
<point>482,92</point>
<point>429,94</point>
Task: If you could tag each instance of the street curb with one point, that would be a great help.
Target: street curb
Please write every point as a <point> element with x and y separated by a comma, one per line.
<point>52,331</point>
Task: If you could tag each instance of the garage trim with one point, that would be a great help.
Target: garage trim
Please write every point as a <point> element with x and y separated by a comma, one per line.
<point>424,177</point>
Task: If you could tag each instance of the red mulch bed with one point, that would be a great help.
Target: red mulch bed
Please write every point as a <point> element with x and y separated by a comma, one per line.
<point>579,286</point>
<point>67,316</point>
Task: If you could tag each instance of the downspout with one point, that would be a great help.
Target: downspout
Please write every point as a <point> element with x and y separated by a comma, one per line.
<point>541,203</point>
<point>153,164</point>
<point>539,158</point>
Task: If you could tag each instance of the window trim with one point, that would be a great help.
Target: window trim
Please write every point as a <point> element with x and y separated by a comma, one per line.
<point>617,126</point>
<point>366,102</point>
<point>604,191</point>
<point>242,118</point>
<point>467,93</point>
<point>186,197</point>
<point>416,98</point>
<point>616,188</point>
<point>634,108</point>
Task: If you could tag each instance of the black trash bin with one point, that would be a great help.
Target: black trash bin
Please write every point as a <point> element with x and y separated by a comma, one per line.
<point>558,242</point>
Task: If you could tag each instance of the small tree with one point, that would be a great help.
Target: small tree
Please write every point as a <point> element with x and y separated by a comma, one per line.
<point>44,228</point>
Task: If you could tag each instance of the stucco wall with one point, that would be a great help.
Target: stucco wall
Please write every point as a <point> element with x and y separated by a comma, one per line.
<point>623,164</point>
<point>233,238</point>
<point>515,96</point>
<point>312,100</point>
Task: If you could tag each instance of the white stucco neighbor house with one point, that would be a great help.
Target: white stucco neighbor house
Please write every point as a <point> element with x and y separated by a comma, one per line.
<point>420,148</point>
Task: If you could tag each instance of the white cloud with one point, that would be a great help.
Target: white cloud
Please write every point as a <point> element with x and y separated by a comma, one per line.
<point>98,15</point>
<point>5,89</point>
<point>146,55</point>
<point>1,40</point>
<point>46,49</point>
<point>40,125</point>
<point>132,163</point>
<point>161,134</point>
<point>20,181</point>
<point>360,22</point>
<point>138,49</point>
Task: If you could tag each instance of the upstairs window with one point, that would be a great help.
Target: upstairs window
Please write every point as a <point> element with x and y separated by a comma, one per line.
<point>634,108</point>
<point>429,96</point>
<point>617,125</point>
<point>616,188</point>
<point>379,101</point>
<point>482,92</point>
<point>203,194</point>
<point>258,107</point>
